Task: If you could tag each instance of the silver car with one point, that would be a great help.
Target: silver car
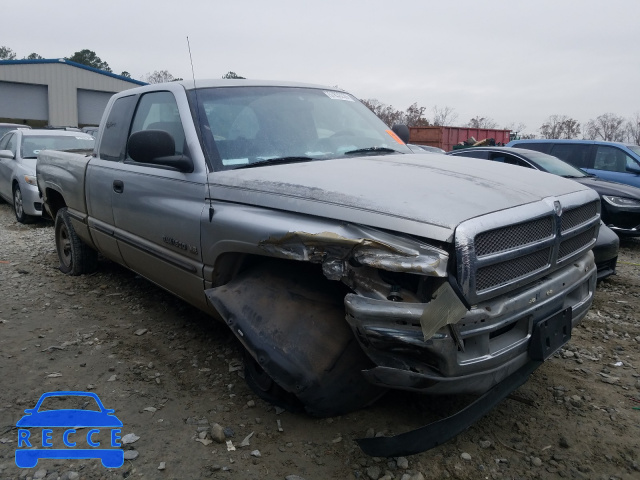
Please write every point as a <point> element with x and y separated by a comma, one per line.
<point>18,153</point>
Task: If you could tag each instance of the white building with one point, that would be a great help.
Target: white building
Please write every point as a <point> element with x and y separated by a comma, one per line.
<point>56,92</point>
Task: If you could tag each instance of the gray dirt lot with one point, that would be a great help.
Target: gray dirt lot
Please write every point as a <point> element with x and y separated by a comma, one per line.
<point>171,374</point>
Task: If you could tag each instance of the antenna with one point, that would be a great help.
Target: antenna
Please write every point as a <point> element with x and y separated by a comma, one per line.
<point>199,129</point>
<point>191,60</point>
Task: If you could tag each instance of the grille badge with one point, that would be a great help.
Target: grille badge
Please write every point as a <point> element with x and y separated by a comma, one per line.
<point>557,207</point>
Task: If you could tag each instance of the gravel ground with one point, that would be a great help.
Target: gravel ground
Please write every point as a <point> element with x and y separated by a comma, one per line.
<point>174,378</point>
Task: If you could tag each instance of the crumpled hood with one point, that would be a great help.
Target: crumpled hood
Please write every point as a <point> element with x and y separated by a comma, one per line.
<point>425,195</point>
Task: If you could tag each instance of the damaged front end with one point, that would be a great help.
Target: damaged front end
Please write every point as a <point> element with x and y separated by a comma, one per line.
<point>473,316</point>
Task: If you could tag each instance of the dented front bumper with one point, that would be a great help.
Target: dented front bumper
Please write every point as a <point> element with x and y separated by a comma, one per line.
<point>472,355</point>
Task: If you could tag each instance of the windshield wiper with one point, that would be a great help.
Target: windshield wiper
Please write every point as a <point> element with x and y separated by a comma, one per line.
<point>275,161</point>
<point>374,150</point>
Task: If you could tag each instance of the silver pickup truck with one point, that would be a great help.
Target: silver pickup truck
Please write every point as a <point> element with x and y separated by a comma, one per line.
<point>344,265</point>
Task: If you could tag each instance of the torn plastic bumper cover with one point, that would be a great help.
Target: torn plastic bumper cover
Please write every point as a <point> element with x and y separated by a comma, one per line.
<point>548,336</point>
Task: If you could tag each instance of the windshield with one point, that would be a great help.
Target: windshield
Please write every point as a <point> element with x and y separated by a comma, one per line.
<point>554,165</point>
<point>245,126</point>
<point>33,144</point>
<point>634,148</point>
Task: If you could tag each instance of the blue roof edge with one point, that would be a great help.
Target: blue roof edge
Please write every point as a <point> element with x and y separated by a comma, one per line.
<point>73,64</point>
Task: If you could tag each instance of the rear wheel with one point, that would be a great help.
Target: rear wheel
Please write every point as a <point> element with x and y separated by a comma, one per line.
<point>75,256</point>
<point>18,206</point>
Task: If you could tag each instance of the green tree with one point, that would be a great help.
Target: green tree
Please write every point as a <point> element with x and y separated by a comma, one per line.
<point>125,74</point>
<point>7,54</point>
<point>34,56</point>
<point>232,75</point>
<point>90,59</point>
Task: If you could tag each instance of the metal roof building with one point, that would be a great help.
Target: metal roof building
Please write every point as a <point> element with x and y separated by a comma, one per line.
<point>56,92</point>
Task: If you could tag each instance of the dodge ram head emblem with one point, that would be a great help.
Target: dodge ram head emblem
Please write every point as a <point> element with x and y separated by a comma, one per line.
<point>557,207</point>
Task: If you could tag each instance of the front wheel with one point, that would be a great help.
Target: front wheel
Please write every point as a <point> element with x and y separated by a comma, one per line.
<point>18,206</point>
<point>76,257</point>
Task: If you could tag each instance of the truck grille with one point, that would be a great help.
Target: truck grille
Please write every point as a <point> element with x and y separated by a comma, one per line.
<point>506,238</point>
<point>507,249</point>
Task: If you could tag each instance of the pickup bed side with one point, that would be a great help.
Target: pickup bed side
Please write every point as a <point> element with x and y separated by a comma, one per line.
<point>61,181</point>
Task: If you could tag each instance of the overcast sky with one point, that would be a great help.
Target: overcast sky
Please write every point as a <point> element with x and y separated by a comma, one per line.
<point>513,61</point>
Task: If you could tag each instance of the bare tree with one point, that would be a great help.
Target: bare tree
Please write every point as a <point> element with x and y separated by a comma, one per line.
<point>414,116</point>
<point>482,122</point>
<point>389,115</point>
<point>232,75</point>
<point>445,116</point>
<point>608,127</point>
<point>159,76</point>
<point>633,129</point>
<point>7,54</point>
<point>560,126</point>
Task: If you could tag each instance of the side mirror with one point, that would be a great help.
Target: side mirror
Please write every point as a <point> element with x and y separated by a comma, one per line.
<point>157,147</point>
<point>402,131</point>
<point>7,154</point>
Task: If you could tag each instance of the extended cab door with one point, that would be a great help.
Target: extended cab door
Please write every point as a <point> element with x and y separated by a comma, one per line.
<point>101,173</point>
<point>157,210</point>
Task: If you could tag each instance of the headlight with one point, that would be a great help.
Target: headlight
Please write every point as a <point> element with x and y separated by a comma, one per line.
<point>30,180</point>
<point>621,201</point>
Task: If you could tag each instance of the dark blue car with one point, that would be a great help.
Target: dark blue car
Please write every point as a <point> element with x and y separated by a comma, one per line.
<point>69,418</point>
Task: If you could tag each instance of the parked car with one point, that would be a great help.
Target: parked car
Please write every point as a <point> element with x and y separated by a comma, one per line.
<point>18,153</point>
<point>618,162</point>
<point>424,148</point>
<point>620,202</point>
<point>605,250</point>
<point>7,127</point>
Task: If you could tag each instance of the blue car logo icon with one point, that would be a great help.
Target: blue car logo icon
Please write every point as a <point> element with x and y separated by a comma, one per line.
<point>70,419</point>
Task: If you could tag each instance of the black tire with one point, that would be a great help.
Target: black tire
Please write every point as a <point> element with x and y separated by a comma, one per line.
<point>18,207</point>
<point>76,257</point>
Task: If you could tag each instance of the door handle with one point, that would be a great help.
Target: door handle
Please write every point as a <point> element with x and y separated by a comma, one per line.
<point>118,186</point>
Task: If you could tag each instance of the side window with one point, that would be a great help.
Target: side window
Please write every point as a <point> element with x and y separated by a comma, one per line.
<point>159,111</point>
<point>574,154</point>
<point>509,160</point>
<point>116,129</point>
<point>12,144</point>
<point>474,154</point>
<point>611,159</point>
<point>5,141</point>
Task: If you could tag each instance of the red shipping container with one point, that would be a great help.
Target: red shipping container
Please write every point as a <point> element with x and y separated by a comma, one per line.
<point>447,137</point>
